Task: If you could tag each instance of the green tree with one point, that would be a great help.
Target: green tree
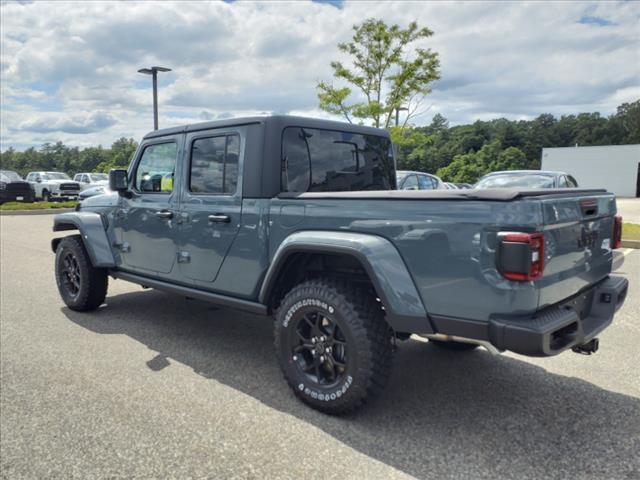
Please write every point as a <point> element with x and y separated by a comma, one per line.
<point>120,154</point>
<point>388,69</point>
<point>411,146</point>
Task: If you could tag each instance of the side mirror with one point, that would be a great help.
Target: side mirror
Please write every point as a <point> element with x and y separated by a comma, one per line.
<point>118,180</point>
<point>38,180</point>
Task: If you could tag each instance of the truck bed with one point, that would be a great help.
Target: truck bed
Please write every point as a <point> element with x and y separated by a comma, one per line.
<point>447,239</point>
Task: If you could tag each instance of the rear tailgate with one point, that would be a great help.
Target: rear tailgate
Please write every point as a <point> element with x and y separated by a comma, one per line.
<point>578,232</point>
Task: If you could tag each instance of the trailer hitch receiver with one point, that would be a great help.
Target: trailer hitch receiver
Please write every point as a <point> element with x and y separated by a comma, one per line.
<point>587,348</point>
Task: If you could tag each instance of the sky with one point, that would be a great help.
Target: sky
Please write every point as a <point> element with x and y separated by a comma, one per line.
<point>68,70</point>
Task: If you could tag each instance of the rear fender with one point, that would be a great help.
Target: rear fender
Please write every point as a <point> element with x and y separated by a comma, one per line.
<point>386,269</point>
<point>93,233</point>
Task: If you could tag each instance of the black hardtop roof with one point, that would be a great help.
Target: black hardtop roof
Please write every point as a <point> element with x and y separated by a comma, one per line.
<point>281,121</point>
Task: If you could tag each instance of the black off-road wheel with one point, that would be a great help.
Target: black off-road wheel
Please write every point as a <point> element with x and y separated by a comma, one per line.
<point>454,346</point>
<point>82,286</point>
<point>333,344</point>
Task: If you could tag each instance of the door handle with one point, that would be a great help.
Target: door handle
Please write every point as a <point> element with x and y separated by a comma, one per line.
<point>219,218</point>
<point>164,214</point>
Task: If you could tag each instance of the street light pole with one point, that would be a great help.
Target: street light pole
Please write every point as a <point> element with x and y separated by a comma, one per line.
<point>153,71</point>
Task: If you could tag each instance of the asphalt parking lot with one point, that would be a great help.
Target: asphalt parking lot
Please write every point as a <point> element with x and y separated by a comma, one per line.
<point>157,386</point>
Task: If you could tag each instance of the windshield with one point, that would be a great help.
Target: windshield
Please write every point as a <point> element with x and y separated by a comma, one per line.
<point>517,180</point>
<point>98,177</point>
<point>55,176</point>
<point>9,176</point>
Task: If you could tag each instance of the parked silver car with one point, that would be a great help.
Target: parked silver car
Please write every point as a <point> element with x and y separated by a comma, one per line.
<point>90,180</point>
<point>409,180</point>
<point>527,179</point>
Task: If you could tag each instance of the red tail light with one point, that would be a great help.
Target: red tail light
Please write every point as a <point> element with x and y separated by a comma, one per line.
<point>520,256</point>
<point>617,231</point>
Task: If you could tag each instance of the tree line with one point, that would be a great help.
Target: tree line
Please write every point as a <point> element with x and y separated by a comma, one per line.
<point>63,158</point>
<point>464,153</point>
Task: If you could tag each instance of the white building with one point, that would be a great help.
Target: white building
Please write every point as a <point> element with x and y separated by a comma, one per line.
<point>614,167</point>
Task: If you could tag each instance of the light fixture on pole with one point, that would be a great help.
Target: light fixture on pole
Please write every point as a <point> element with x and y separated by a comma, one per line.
<point>398,114</point>
<point>153,71</point>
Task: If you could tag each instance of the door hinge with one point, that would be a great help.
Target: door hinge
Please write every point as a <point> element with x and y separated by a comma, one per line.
<point>184,257</point>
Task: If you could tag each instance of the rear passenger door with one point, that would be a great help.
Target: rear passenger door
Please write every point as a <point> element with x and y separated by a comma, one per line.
<point>211,203</point>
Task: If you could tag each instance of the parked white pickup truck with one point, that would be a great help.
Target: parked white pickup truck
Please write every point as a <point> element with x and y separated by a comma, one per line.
<point>53,186</point>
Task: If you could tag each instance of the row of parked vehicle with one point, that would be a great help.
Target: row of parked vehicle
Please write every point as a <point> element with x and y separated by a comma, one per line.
<point>48,186</point>
<point>409,180</point>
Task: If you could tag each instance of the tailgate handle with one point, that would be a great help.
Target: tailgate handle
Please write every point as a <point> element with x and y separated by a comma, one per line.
<point>589,207</point>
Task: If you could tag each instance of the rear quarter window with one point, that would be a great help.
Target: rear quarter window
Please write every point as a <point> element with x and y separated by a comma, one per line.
<point>316,160</point>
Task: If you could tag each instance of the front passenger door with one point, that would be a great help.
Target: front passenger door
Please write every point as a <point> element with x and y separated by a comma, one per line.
<point>146,223</point>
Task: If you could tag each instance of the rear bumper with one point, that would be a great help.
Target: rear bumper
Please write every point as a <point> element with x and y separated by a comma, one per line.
<point>555,329</point>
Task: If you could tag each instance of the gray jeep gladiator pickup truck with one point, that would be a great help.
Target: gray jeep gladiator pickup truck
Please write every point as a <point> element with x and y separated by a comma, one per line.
<point>299,218</point>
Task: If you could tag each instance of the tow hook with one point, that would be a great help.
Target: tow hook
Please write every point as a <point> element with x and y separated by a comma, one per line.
<point>587,348</point>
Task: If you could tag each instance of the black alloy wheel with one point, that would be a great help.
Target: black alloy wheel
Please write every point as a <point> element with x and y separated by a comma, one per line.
<point>319,348</point>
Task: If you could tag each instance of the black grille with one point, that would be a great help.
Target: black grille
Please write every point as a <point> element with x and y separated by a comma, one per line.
<point>69,186</point>
<point>19,187</point>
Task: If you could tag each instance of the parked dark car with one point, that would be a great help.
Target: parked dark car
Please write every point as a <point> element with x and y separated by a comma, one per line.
<point>13,188</point>
<point>527,179</point>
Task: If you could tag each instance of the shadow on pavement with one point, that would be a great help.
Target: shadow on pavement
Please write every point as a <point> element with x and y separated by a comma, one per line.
<point>443,414</point>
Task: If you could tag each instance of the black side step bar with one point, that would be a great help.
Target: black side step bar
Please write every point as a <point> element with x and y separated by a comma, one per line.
<point>232,302</point>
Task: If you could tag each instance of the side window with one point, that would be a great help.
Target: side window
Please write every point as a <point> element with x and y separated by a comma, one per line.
<point>76,178</point>
<point>410,183</point>
<point>562,182</point>
<point>296,163</point>
<point>214,165</point>
<point>572,182</point>
<point>317,160</point>
<point>426,182</point>
<point>85,178</point>
<point>156,168</point>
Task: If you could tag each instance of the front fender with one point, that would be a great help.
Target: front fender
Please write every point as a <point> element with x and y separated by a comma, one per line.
<point>386,269</point>
<point>93,235</point>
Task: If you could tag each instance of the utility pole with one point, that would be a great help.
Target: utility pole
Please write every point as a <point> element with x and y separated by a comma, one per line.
<point>153,71</point>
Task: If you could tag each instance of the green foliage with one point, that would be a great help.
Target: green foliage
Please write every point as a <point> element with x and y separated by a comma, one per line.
<point>410,145</point>
<point>465,152</point>
<point>386,68</point>
<point>11,206</point>
<point>70,160</point>
<point>631,231</point>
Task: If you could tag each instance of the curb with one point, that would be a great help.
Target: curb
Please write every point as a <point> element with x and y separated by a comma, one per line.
<point>44,211</point>
<point>630,243</point>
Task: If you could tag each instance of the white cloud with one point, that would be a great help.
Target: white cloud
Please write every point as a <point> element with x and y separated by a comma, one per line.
<point>68,70</point>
